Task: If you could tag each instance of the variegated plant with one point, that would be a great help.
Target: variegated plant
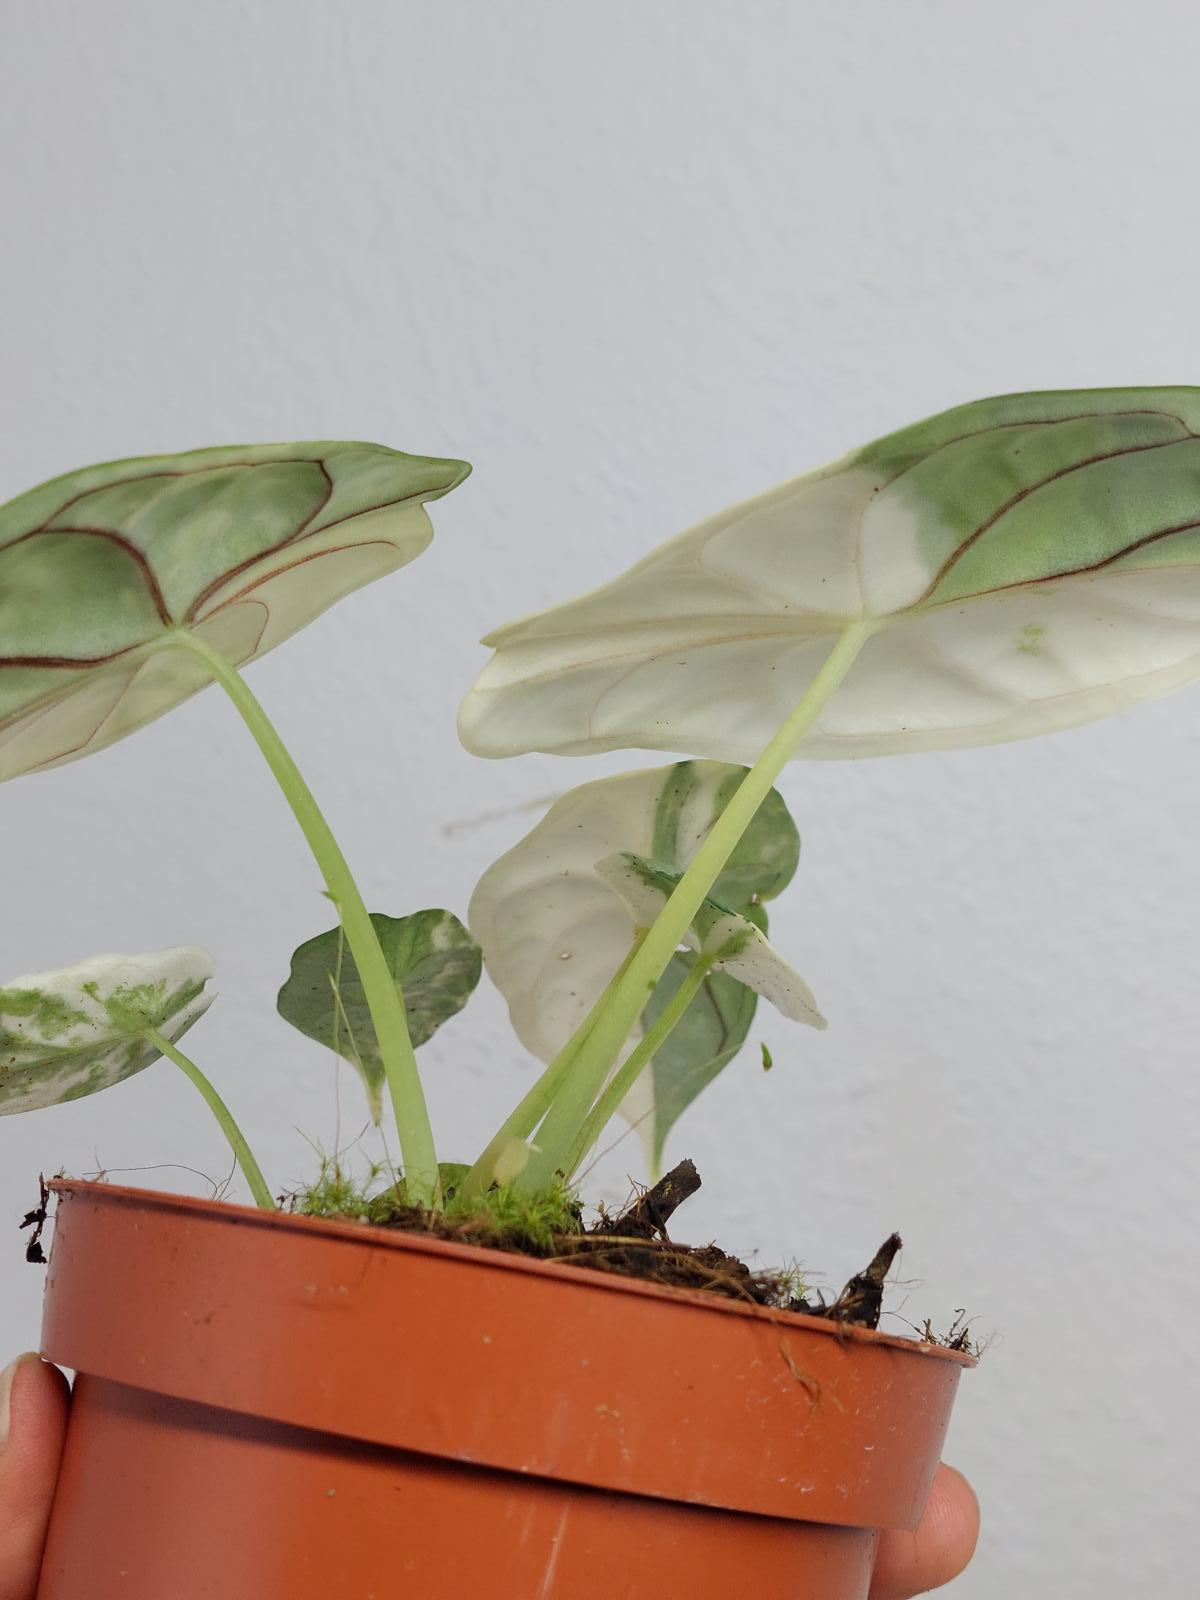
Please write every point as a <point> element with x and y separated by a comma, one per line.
<point>118,583</point>
<point>1015,566</point>
<point>67,1034</point>
<point>126,587</point>
<point>1005,569</point>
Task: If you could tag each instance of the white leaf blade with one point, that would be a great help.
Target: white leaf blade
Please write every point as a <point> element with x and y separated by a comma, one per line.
<point>76,1030</point>
<point>1031,562</point>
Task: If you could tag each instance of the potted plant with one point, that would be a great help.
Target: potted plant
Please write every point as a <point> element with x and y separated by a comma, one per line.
<point>443,1380</point>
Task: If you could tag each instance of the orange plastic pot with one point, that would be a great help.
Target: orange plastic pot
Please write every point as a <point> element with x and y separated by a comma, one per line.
<point>294,1410</point>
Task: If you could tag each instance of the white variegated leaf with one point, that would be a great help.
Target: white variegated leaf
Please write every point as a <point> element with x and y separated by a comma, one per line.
<point>1030,562</point>
<point>553,931</point>
<point>72,1032</point>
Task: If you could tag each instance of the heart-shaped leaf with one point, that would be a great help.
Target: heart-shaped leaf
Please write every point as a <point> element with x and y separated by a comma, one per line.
<point>434,960</point>
<point>70,1033</point>
<point>240,546</point>
<point>553,932</point>
<point>1031,562</point>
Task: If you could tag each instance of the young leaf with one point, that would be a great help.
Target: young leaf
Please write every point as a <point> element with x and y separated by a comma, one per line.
<point>70,1033</point>
<point>553,932</point>
<point>1031,562</point>
<point>733,943</point>
<point>240,546</point>
<point>434,960</point>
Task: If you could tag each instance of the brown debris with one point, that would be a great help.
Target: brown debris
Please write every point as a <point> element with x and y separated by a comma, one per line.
<point>37,1219</point>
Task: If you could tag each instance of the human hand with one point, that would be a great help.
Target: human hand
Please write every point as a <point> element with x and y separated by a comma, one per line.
<point>938,1548</point>
<point>33,1419</point>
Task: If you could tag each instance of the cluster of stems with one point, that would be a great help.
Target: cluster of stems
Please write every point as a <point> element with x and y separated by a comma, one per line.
<point>565,1111</point>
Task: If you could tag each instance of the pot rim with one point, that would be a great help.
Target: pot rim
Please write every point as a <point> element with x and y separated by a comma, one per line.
<point>499,1260</point>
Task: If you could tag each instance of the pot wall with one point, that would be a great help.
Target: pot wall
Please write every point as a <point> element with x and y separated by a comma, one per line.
<point>268,1401</point>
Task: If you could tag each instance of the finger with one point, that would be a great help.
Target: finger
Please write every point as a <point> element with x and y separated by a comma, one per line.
<point>33,1420</point>
<point>937,1549</point>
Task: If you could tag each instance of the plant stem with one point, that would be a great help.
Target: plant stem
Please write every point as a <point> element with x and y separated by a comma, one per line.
<point>600,1049</point>
<point>251,1170</point>
<point>638,1059</point>
<point>525,1118</point>
<point>380,990</point>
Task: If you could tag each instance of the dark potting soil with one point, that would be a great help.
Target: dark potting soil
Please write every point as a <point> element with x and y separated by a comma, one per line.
<point>635,1243</point>
<point>631,1243</point>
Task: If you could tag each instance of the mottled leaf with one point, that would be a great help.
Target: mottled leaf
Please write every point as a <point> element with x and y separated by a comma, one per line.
<point>240,546</point>
<point>1031,561</point>
<point>734,944</point>
<point>69,1033</point>
<point>553,932</point>
<point>434,960</point>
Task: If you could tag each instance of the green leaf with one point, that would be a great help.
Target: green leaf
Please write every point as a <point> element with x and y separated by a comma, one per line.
<point>434,960</point>
<point>72,1032</point>
<point>241,546</point>
<point>553,931</point>
<point>1031,562</point>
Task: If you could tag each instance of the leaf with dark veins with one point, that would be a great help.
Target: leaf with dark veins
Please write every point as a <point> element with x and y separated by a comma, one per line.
<point>241,546</point>
<point>1028,562</point>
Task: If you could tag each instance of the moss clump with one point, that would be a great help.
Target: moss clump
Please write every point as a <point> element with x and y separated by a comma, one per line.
<point>532,1222</point>
<point>337,1193</point>
<point>528,1223</point>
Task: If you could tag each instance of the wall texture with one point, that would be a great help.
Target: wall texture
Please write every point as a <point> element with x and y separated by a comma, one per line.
<point>637,261</point>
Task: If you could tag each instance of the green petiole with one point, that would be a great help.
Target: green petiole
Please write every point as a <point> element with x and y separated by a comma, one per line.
<point>599,1047</point>
<point>251,1170</point>
<point>525,1118</point>
<point>383,998</point>
<point>627,1074</point>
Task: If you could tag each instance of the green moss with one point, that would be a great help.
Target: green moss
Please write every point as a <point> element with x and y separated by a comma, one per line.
<point>529,1222</point>
<point>339,1193</point>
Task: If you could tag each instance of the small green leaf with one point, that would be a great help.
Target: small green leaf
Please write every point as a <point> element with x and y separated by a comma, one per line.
<point>451,1174</point>
<point>767,1059</point>
<point>434,960</point>
<point>240,546</point>
<point>72,1032</point>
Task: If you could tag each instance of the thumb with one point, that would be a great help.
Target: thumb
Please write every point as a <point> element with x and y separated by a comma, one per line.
<point>937,1551</point>
<point>33,1419</point>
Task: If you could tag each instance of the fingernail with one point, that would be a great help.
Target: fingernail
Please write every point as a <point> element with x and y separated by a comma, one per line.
<point>7,1379</point>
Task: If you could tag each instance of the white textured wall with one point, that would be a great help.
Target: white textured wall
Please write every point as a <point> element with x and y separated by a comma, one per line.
<point>637,260</point>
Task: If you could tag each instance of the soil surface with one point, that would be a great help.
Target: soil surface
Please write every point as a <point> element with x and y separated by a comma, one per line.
<point>635,1243</point>
<point>631,1243</point>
